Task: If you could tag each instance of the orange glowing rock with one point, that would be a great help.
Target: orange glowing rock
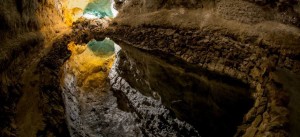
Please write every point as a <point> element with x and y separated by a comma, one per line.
<point>73,9</point>
<point>89,69</point>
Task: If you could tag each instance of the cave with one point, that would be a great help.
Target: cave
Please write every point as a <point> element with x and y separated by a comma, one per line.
<point>137,68</point>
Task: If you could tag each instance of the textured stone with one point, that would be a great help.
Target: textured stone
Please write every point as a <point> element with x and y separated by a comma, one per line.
<point>255,72</point>
<point>250,115</point>
<point>250,132</point>
<point>257,121</point>
<point>234,63</point>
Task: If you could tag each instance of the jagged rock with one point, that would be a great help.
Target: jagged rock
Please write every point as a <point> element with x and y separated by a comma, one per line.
<point>257,121</point>
<point>241,39</point>
<point>255,72</point>
<point>250,132</point>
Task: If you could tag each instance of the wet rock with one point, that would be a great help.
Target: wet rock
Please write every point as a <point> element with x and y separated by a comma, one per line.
<point>144,106</point>
<point>244,59</point>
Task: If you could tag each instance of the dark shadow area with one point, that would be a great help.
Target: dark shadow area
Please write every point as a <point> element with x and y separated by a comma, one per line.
<point>13,47</point>
<point>290,83</point>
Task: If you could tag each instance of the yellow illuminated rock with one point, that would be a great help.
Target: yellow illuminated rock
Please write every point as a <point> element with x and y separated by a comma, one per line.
<point>73,9</point>
<point>89,69</point>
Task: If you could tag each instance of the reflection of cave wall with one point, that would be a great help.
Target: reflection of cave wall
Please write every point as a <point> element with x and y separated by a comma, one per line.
<point>239,38</point>
<point>237,56</point>
<point>102,48</point>
<point>243,39</point>
<point>212,106</point>
<point>85,73</point>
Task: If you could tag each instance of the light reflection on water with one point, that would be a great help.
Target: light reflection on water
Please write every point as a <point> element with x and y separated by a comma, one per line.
<point>147,95</point>
<point>168,91</point>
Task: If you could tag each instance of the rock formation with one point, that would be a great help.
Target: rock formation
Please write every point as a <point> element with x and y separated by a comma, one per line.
<point>27,29</point>
<point>249,42</point>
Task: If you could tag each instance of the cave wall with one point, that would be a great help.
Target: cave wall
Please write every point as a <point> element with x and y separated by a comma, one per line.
<point>26,30</point>
<point>274,22</point>
<point>73,9</point>
<point>239,38</point>
<point>244,39</point>
<point>246,11</point>
<point>26,21</point>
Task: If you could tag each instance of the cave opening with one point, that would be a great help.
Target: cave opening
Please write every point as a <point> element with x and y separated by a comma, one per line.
<point>89,9</point>
<point>100,9</point>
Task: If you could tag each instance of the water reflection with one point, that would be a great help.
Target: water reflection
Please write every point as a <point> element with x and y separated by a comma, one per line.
<point>214,107</point>
<point>90,63</point>
<point>105,47</point>
<point>133,93</point>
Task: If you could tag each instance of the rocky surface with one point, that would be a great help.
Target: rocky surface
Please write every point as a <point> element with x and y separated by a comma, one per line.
<point>133,101</point>
<point>252,59</point>
<point>253,41</point>
<point>25,32</point>
<point>248,62</point>
<point>50,99</point>
<point>228,37</point>
<point>176,99</point>
<point>27,36</point>
<point>246,11</point>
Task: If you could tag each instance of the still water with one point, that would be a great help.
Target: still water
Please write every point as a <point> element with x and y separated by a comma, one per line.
<point>116,90</point>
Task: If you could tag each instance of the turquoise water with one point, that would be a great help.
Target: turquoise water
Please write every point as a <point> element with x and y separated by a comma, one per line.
<point>99,8</point>
<point>104,48</point>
